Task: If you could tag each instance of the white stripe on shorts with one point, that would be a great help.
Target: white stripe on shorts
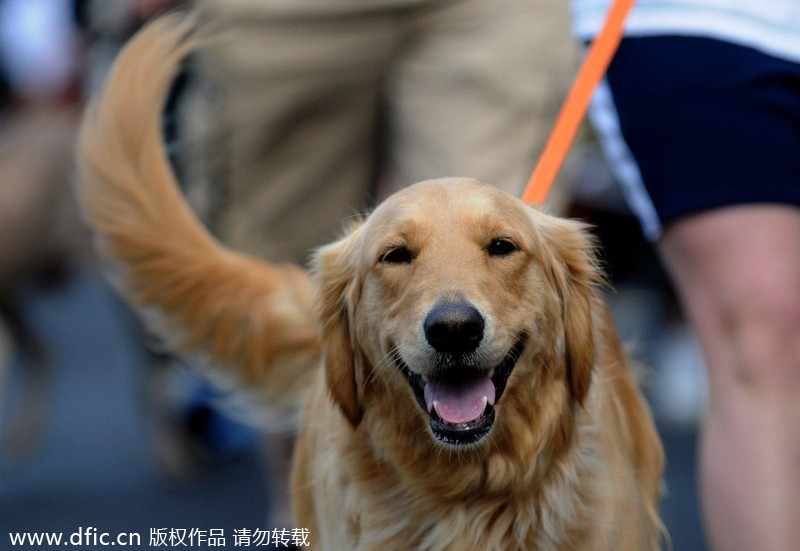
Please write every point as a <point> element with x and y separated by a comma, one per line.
<point>620,160</point>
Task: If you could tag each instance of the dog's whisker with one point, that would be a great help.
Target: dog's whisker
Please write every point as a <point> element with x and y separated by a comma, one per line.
<point>549,369</point>
<point>382,366</point>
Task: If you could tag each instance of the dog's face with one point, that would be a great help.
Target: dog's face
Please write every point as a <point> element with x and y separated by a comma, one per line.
<point>456,308</point>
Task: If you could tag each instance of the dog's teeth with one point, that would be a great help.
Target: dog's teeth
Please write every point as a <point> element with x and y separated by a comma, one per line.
<point>436,408</point>
<point>485,401</point>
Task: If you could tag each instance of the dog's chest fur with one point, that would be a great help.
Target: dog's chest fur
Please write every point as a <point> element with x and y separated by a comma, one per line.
<point>373,507</point>
<point>550,519</point>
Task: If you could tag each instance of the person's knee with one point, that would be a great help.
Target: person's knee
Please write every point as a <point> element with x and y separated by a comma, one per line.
<point>764,330</point>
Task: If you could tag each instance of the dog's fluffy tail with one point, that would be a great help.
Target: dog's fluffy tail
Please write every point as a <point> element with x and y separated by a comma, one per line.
<point>252,318</point>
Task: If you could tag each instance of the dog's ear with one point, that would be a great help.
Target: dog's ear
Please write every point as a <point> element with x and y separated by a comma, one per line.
<point>573,266</point>
<point>338,287</point>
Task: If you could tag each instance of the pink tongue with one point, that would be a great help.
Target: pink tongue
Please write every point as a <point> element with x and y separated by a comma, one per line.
<point>459,402</point>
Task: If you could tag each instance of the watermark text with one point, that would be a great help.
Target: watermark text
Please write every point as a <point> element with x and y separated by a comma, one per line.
<point>166,537</point>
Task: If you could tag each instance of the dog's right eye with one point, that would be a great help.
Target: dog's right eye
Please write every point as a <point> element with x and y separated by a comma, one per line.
<point>398,255</point>
<point>502,247</point>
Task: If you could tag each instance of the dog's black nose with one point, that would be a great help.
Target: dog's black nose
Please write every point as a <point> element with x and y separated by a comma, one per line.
<point>456,328</point>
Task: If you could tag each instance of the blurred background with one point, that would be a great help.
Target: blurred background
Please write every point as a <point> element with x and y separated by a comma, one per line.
<point>95,430</point>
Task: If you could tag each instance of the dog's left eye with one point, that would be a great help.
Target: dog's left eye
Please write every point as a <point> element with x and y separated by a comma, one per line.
<point>398,255</point>
<point>501,247</point>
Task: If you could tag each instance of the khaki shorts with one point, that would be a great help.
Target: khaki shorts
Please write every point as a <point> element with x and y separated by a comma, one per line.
<point>329,104</point>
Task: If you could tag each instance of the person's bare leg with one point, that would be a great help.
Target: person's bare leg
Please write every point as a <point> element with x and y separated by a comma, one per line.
<point>737,271</point>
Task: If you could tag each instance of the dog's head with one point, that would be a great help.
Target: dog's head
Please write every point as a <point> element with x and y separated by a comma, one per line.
<point>453,306</point>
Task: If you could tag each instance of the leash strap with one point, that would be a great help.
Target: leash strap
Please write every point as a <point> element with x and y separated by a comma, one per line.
<point>572,112</point>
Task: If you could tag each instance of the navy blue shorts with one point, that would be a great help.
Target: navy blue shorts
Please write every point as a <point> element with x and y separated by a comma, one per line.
<point>690,124</point>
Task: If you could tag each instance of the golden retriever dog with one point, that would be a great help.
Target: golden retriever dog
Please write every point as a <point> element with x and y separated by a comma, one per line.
<point>458,378</point>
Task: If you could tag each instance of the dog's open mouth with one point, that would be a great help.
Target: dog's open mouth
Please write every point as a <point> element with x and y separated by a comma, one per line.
<point>461,403</point>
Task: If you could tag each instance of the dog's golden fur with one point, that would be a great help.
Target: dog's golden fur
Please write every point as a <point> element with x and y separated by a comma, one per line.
<point>571,459</point>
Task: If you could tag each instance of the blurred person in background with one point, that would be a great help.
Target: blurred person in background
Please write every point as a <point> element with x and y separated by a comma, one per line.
<point>699,118</point>
<point>39,63</point>
<point>41,238</point>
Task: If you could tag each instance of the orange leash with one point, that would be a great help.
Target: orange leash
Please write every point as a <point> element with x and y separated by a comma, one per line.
<point>574,108</point>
